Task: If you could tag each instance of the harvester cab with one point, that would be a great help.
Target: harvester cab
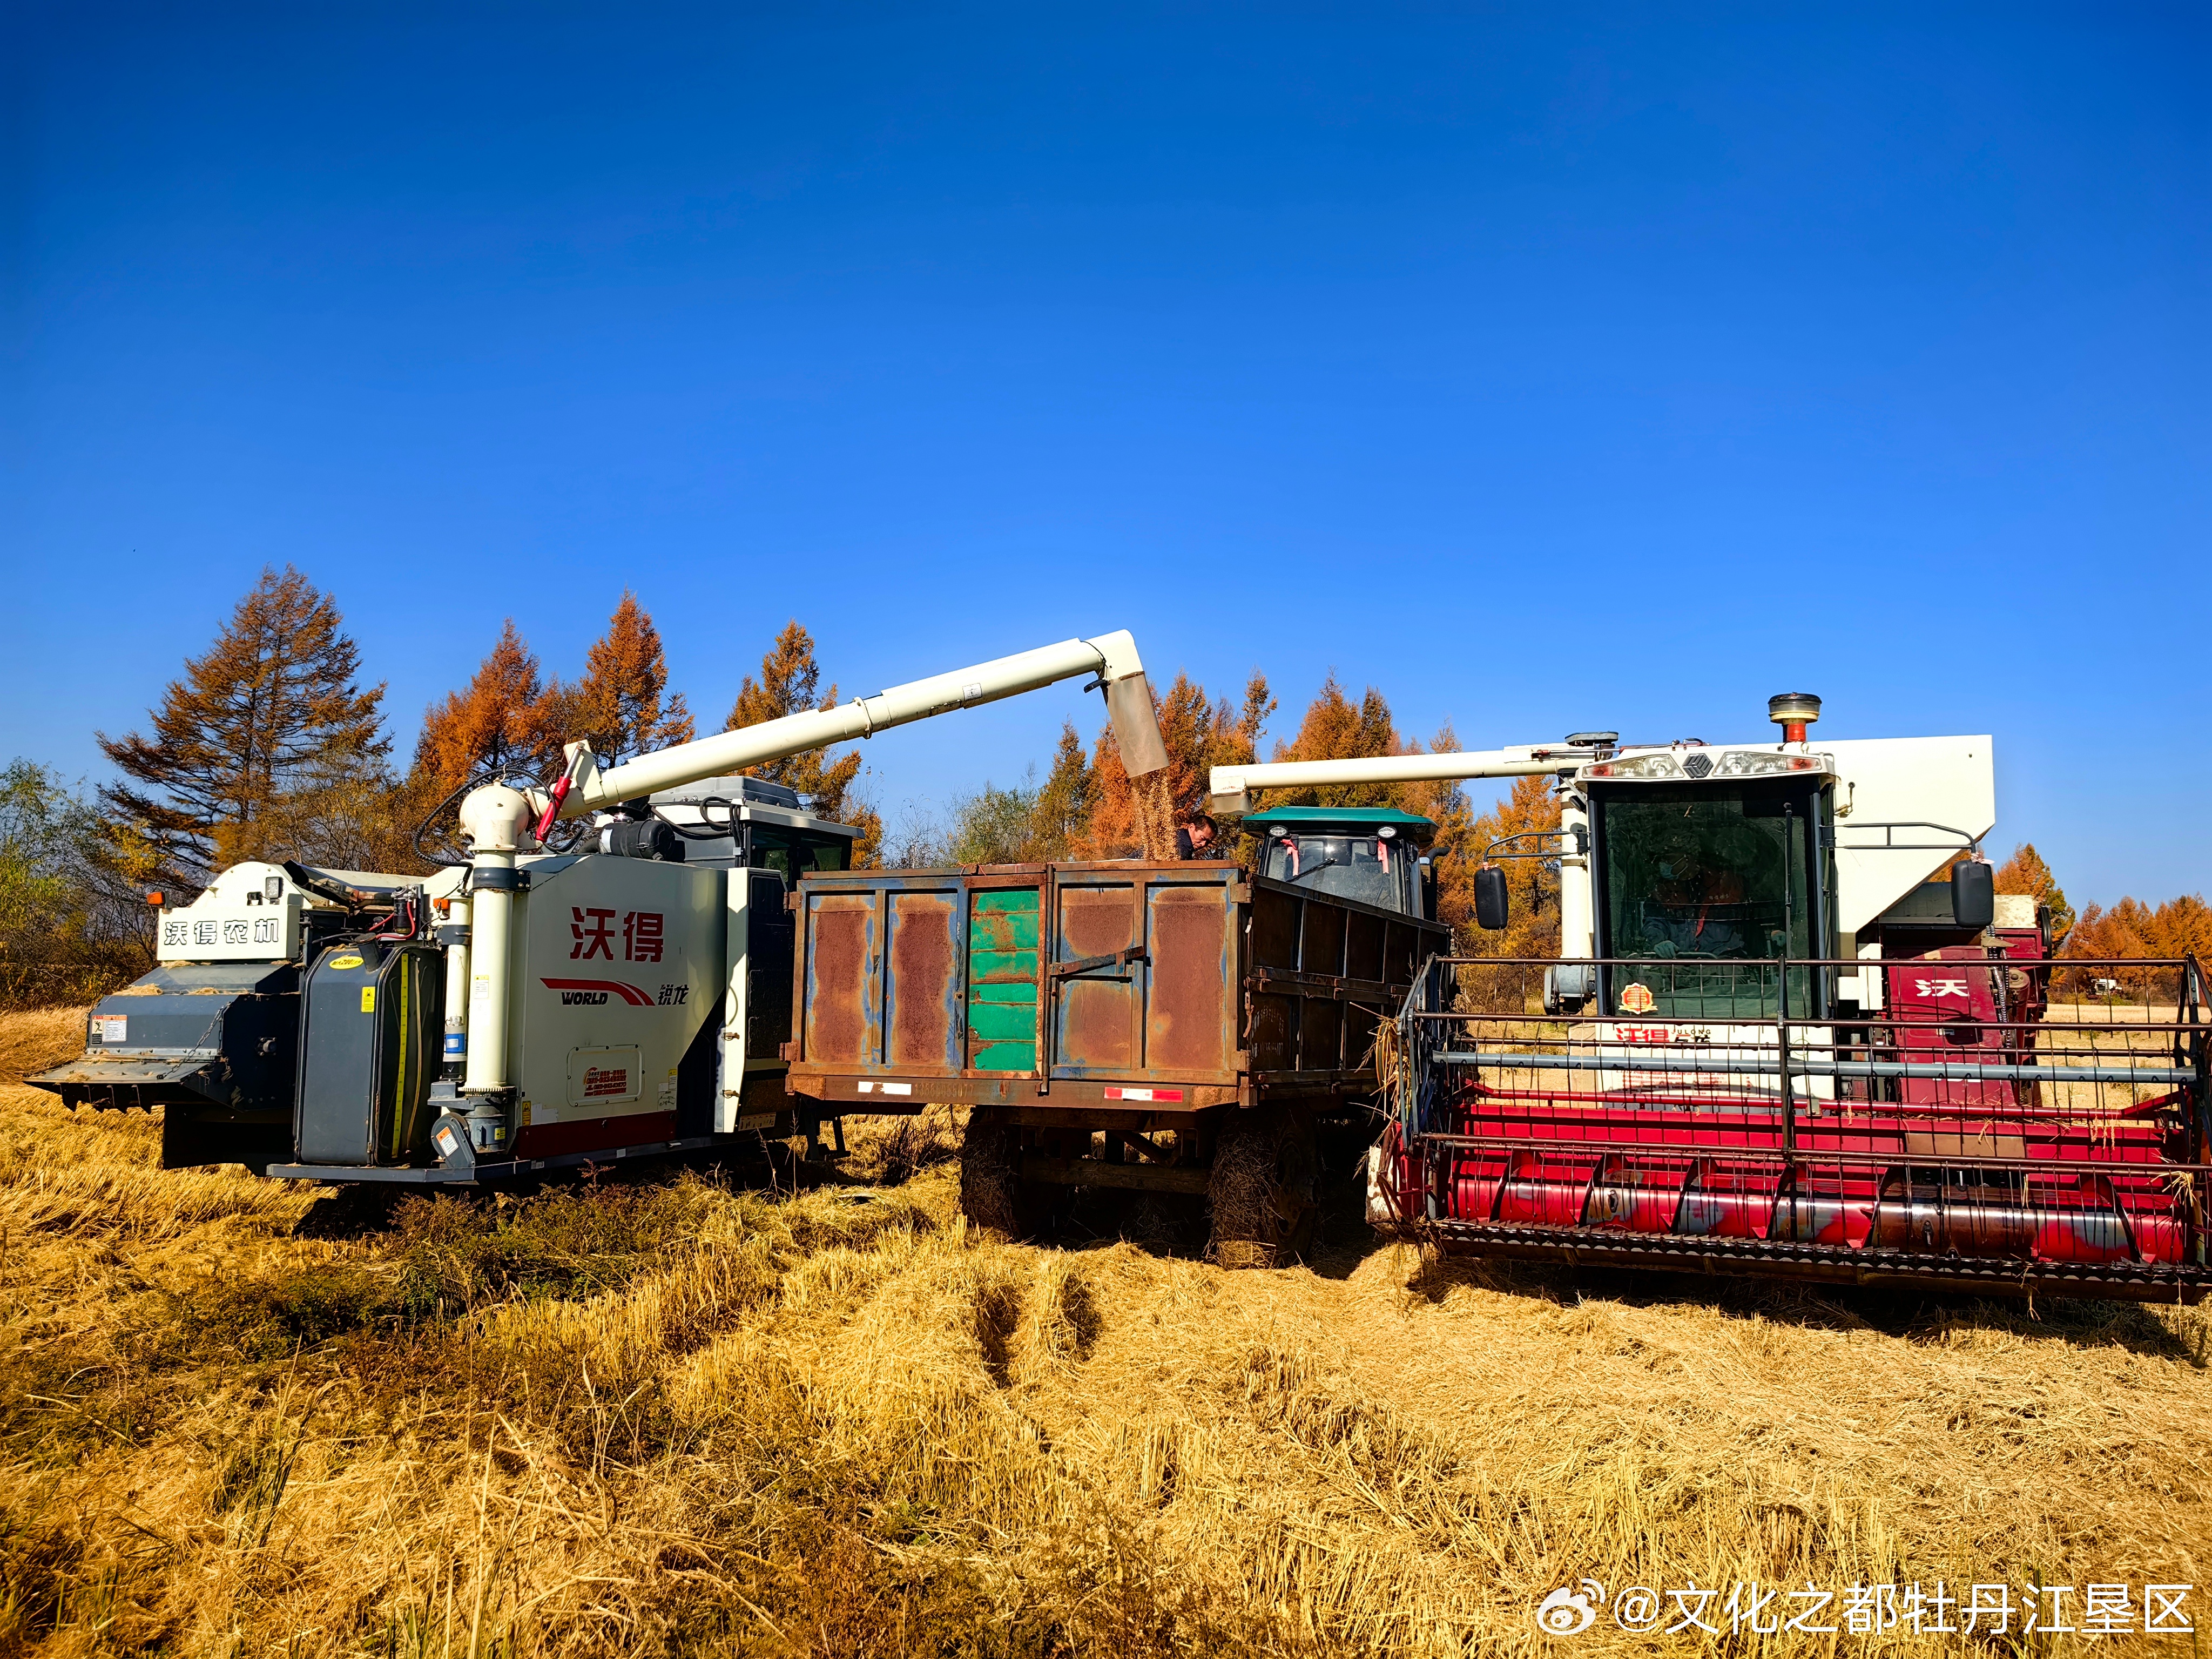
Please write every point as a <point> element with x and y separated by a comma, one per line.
<point>1696,861</point>
<point>607,976</point>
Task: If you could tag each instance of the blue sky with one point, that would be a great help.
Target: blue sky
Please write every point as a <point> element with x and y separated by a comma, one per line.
<point>1548,367</point>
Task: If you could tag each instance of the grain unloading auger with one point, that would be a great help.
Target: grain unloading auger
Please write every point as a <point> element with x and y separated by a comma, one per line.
<point>1769,1046</point>
<point>619,989</point>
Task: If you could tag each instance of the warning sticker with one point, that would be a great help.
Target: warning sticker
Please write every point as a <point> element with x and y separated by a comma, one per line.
<point>110,1028</point>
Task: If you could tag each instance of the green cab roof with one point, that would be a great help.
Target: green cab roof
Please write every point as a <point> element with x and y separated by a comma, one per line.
<point>1345,820</point>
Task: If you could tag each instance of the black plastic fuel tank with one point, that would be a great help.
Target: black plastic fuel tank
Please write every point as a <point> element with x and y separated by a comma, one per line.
<point>371,1032</point>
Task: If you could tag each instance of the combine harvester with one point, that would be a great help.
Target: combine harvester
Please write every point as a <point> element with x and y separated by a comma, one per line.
<point>607,977</point>
<point>1770,1047</point>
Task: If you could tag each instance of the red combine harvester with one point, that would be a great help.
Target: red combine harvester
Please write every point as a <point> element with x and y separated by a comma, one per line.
<point>1770,1047</point>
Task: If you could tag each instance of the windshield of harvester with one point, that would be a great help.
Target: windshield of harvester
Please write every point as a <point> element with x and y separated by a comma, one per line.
<point>1706,877</point>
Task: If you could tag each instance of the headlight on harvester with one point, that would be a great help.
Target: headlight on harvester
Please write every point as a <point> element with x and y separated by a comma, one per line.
<point>1763,763</point>
<point>1645,767</point>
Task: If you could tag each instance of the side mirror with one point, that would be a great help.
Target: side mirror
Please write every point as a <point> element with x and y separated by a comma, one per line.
<point>1492,908</point>
<point>1973,895</point>
<point>1428,890</point>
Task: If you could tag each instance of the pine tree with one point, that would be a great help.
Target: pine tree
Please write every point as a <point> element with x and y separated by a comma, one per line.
<point>1061,815</point>
<point>789,682</point>
<point>619,704</point>
<point>265,732</point>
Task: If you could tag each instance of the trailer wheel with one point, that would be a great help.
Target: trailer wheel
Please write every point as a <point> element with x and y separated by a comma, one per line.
<point>993,1194</point>
<point>1262,1191</point>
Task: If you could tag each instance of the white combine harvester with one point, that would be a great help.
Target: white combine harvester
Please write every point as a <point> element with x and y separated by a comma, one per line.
<point>618,989</point>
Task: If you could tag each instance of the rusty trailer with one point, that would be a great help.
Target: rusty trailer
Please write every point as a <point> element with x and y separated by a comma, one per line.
<point>1169,1026</point>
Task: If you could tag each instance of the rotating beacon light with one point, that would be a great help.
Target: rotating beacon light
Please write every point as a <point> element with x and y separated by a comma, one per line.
<point>1793,711</point>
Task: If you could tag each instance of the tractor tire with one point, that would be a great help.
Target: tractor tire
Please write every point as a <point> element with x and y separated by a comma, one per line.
<point>1261,1191</point>
<point>993,1194</point>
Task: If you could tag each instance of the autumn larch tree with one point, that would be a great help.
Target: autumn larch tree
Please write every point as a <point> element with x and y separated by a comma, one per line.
<point>1198,734</point>
<point>622,705</point>
<point>1334,727</point>
<point>790,683</point>
<point>1530,809</point>
<point>500,715</point>
<point>266,742</point>
<point>2025,872</point>
<point>2174,928</point>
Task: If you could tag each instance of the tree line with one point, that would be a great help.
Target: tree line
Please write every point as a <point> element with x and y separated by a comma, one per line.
<point>270,746</point>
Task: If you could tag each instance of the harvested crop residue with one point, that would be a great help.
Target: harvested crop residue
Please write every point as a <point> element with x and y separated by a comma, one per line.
<point>639,1419</point>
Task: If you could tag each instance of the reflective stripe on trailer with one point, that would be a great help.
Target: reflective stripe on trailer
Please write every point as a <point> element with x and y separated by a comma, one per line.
<point>1115,1093</point>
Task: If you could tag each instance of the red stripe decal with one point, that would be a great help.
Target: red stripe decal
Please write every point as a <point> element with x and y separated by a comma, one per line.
<point>628,993</point>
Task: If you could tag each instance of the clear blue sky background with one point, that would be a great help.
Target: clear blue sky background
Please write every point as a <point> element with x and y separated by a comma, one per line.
<point>1546,367</point>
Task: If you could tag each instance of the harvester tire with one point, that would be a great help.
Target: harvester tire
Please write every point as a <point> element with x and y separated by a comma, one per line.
<point>1262,1190</point>
<point>993,1194</point>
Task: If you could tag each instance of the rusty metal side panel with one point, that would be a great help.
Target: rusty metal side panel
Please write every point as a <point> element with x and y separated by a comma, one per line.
<point>1190,1013</point>
<point>1324,974</point>
<point>922,992</point>
<point>1098,1019</point>
<point>841,1023</point>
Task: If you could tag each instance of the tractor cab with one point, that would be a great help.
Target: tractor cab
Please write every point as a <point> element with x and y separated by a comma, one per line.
<point>1372,854</point>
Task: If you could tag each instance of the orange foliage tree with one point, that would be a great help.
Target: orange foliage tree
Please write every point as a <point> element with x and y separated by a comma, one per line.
<point>2179,927</point>
<point>502,714</point>
<point>1335,728</point>
<point>2025,872</point>
<point>790,683</point>
<point>268,747</point>
<point>1531,808</point>
<point>1198,734</point>
<point>623,706</point>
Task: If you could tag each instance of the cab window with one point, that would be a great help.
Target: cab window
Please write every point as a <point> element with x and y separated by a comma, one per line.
<point>791,853</point>
<point>1706,877</point>
<point>1367,868</point>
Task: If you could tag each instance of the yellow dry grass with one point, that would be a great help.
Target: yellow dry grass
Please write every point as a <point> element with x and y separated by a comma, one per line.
<point>34,1041</point>
<point>842,1423</point>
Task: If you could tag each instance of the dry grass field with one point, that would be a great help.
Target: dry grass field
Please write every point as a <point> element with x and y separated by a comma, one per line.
<point>241,1417</point>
